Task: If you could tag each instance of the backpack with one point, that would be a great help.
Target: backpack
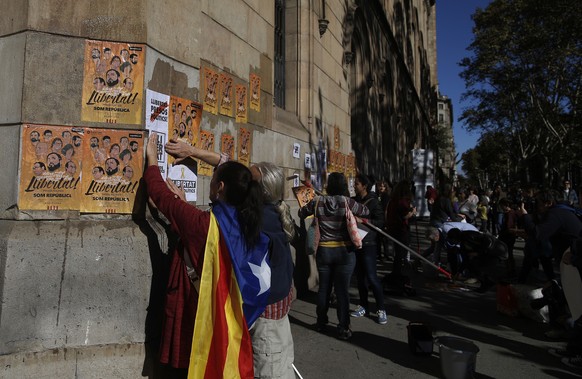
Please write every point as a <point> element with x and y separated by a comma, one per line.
<point>483,244</point>
<point>576,210</point>
<point>576,243</point>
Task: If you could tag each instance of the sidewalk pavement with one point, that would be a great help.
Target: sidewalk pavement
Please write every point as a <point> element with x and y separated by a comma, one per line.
<point>510,347</point>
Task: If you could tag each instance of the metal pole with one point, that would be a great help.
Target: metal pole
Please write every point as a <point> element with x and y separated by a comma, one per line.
<point>440,269</point>
<point>296,371</point>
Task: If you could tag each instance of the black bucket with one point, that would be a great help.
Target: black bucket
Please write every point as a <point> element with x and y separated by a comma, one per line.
<point>420,339</point>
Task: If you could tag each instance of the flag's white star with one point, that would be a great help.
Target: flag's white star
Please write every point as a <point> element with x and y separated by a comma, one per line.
<point>263,273</point>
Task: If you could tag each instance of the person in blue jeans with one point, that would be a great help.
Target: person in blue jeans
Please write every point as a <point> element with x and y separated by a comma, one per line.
<point>335,257</point>
<point>366,272</point>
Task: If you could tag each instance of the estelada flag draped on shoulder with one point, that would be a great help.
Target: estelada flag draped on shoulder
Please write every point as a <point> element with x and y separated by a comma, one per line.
<point>234,289</point>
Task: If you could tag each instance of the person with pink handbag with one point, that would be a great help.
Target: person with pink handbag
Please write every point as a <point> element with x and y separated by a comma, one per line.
<point>335,256</point>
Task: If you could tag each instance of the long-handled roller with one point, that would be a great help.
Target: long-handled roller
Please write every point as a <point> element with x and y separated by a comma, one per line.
<point>378,230</point>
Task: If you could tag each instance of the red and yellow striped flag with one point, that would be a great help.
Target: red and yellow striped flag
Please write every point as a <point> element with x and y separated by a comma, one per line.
<point>221,346</point>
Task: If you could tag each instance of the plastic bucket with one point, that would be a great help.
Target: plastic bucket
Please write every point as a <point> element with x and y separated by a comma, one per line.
<point>458,357</point>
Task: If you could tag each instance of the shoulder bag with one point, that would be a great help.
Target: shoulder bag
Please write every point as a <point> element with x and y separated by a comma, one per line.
<point>353,227</point>
<point>312,236</point>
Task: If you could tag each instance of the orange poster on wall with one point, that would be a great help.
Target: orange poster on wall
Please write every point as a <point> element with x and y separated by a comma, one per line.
<point>210,88</point>
<point>341,163</point>
<point>113,77</point>
<point>244,146</point>
<point>227,145</point>
<point>336,137</point>
<point>206,143</point>
<point>112,168</point>
<point>226,92</point>
<point>351,164</point>
<point>331,161</point>
<point>184,121</point>
<point>50,168</point>
<point>241,104</point>
<point>255,92</point>
<point>303,194</point>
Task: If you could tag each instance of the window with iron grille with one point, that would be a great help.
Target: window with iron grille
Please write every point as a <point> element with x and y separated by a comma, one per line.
<point>279,54</point>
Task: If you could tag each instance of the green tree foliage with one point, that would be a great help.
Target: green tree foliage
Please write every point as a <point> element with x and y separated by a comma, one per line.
<point>524,78</point>
<point>489,162</point>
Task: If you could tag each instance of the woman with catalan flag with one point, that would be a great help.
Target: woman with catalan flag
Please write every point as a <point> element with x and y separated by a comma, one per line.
<point>208,332</point>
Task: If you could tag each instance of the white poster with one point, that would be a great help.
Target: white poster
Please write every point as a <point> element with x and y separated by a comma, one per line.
<point>308,161</point>
<point>184,177</point>
<point>296,150</point>
<point>296,181</point>
<point>422,175</point>
<point>157,121</point>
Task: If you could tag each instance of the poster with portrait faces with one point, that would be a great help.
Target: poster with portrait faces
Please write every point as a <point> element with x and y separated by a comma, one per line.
<point>303,194</point>
<point>50,167</point>
<point>351,164</point>
<point>184,126</point>
<point>255,96</point>
<point>206,143</point>
<point>226,94</point>
<point>113,162</point>
<point>227,145</point>
<point>113,77</point>
<point>210,84</point>
<point>341,163</point>
<point>184,121</point>
<point>241,104</point>
<point>244,146</point>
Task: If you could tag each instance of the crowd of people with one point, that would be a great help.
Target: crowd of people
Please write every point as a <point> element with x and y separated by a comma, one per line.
<point>470,231</point>
<point>548,222</point>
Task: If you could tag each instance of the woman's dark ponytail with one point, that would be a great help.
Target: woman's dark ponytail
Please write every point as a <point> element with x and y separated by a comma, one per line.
<point>251,213</point>
<point>244,193</point>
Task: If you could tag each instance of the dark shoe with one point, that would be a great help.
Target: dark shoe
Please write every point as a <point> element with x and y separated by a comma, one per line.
<point>321,328</point>
<point>558,334</point>
<point>561,353</point>
<point>485,286</point>
<point>344,334</point>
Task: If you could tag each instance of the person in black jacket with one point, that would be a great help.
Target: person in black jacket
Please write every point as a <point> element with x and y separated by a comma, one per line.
<point>366,256</point>
<point>550,237</point>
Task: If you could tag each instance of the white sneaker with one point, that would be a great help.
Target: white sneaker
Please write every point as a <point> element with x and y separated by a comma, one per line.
<point>382,318</point>
<point>574,362</point>
<point>359,312</point>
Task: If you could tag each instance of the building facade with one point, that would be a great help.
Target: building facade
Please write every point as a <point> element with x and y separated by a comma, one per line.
<point>347,86</point>
<point>444,143</point>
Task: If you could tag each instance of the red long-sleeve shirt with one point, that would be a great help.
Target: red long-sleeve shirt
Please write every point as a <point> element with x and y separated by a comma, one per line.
<point>191,224</point>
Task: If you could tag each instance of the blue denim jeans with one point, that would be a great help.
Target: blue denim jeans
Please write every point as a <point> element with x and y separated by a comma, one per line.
<point>335,266</point>
<point>366,274</point>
